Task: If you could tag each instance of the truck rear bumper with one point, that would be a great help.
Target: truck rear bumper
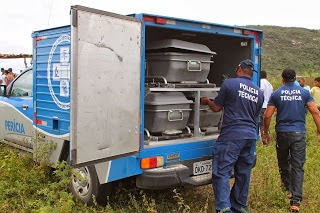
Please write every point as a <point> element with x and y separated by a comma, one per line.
<point>176,175</point>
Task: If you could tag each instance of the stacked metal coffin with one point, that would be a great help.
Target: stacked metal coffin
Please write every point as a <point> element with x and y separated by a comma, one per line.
<point>184,63</point>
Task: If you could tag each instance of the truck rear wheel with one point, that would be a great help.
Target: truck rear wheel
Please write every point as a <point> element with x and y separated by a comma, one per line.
<point>85,185</point>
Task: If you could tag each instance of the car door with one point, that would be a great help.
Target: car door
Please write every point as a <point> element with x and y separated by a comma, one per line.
<point>16,111</point>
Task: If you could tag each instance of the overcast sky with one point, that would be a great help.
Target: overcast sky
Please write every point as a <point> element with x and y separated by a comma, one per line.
<point>19,18</point>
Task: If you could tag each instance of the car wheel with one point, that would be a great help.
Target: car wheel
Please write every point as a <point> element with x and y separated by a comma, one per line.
<point>85,185</point>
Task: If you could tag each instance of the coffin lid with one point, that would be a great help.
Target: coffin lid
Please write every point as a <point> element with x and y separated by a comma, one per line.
<point>179,44</point>
<point>165,98</point>
<point>209,94</point>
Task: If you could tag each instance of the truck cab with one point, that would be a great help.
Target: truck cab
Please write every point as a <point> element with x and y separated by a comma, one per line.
<point>17,111</point>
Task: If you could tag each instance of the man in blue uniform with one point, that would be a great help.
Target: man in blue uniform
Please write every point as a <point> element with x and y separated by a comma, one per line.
<point>234,149</point>
<point>290,101</point>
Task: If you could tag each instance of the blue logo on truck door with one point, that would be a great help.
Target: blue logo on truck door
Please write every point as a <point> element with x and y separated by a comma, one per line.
<point>14,126</point>
<point>60,71</point>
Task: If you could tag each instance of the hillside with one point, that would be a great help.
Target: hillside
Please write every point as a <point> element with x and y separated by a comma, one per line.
<point>298,48</point>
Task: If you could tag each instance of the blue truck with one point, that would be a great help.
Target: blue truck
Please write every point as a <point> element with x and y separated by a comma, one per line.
<point>102,91</point>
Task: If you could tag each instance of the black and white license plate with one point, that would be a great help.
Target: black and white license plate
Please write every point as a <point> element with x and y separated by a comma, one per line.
<point>202,167</point>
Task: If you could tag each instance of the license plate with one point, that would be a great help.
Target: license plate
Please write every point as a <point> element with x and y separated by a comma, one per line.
<point>202,167</point>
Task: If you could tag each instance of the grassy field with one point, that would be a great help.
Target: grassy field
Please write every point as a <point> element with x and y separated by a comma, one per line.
<point>29,187</point>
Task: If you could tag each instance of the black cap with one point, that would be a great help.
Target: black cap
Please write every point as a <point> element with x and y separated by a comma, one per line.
<point>246,64</point>
<point>288,74</point>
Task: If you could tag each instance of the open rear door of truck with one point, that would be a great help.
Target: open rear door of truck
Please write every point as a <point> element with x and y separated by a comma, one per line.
<point>105,85</point>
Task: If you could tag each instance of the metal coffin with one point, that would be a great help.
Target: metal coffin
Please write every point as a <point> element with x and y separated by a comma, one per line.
<point>208,118</point>
<point>166,111</point>
<point>179,61</point>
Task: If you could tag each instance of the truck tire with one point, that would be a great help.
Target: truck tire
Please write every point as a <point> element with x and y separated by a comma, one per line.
<point>87,186</point>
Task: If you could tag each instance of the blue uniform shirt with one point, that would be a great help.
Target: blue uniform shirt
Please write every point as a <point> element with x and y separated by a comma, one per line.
<point>290,101</point>
<point>242,101</point>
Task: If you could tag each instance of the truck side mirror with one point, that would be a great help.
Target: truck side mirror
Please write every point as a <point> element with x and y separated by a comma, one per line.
<point>3,90</point>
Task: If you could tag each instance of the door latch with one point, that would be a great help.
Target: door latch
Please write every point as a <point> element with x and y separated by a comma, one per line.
<point>24,107</point>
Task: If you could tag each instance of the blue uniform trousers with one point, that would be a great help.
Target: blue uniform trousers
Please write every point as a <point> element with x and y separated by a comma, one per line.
<point>229,155</point>
<point>291,154</point>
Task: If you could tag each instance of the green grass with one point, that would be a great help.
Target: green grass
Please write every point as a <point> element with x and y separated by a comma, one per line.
<point>26,186</point>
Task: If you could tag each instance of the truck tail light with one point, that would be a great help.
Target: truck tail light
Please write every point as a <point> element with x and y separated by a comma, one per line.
<point>247,32</point>
<point>250,32</point>
<point>41,38</point>
<point>157,20</point>
<point>160,20</point>
<point>152,162</point>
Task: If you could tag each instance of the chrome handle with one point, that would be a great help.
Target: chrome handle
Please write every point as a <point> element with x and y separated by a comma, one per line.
<point>157,77</point>
<point>25,107</point>
<point>194,66</point>
<point>175,115</point>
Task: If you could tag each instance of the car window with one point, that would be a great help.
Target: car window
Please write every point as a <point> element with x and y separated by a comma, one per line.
<point>23,85</point>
